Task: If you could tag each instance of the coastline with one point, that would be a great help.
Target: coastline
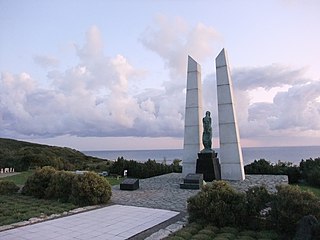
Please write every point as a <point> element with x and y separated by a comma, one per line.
<point>293,154</point>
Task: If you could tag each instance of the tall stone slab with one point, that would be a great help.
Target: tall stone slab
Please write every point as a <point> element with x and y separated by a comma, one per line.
<point>192,127</point>
<point>230,153</point>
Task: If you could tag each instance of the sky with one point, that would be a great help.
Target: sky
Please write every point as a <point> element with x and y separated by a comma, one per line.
<point>110,75</point>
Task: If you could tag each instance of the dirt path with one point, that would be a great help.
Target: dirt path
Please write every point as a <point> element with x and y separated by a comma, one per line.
<point>2,175</point>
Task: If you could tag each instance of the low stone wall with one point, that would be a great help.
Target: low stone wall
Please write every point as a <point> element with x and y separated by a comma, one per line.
<point>269,181</point>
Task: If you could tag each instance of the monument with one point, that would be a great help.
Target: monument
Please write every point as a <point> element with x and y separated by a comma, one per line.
<point>230,153</point>
<point>192,127</point>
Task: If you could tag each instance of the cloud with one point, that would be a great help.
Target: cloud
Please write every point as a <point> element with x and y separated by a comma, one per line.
<point>173,40</point>
<point>91,98</point>
<point>268,77</point>
<point>46,61</point>
<point>95,98</point>
<point>293,112</point>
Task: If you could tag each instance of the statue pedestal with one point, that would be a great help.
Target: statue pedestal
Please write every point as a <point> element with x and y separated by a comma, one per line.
<point>208,164</point>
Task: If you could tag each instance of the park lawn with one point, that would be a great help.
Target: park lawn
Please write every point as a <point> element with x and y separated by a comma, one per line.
<point>17,207</point>
<point>22,177</point>
<point>114,180</point>
<point>306,187</point>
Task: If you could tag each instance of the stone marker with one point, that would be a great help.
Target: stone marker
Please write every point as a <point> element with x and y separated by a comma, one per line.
<point>230,153</point>
<point>129,184</point>
<point>192,181</point>
<point>192,127</point>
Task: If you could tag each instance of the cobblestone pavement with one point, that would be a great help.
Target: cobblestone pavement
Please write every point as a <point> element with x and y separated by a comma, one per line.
<point>161,192</point>
<point>164,191</point>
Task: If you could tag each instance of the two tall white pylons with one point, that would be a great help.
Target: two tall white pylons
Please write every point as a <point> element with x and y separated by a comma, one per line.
<point>230,153</point>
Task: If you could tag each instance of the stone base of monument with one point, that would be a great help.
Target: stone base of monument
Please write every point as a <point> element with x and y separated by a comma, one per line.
<point>129,184</point>
<point>208,165</point>
<point>192,181</point>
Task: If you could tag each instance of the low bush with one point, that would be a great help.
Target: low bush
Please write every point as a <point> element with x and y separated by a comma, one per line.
<point>257,199</point>
<point>218,203</point>
<point>8,187</point>
<point>290,204</point>
<point>90,189</point>
<point>37,184</point>
<point>80,189</point>
<point>263,166</point>
<point>184,234</point>
<point>60,186</point>
<point>201,236</point>
<point>313,177</point>
<point>143,170</point>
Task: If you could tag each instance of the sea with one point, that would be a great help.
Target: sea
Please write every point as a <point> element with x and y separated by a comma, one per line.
<point>272,154</point>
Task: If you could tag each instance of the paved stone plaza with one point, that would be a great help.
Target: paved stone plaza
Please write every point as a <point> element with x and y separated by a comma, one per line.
<point>161,192</point>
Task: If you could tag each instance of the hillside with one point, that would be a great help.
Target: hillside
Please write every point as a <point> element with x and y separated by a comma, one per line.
<point>24,155</point>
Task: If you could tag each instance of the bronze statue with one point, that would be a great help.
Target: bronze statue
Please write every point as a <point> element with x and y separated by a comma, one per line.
<point>207,132</point>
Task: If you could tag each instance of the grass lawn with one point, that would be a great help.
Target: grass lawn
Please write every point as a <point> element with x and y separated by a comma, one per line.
<point>17,207</point>
<point>306,187</point>
<point>22,177</point>
<point>114,181</point>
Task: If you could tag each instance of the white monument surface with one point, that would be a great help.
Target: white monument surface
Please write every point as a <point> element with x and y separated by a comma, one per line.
<point>230,153</point>
<point>193,118</point>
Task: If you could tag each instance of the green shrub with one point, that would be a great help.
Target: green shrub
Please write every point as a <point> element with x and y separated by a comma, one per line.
<point>267,235</point>
<point>90,189</point>
<point>310,171</point>
<point>211,228</point>
<point>218,203</point>
<point>229,230</point>
<point>263,166</point>
<point>257,198</point>
<point>200,236</point>
<point>245,238</point>
<point>8,187</point>
<point>207,232</point>
<point>313,177</point>
<point>290,205</point>
<point>192,230</point>
<point>147,169</point>
<point>60,186</point>
<point>196,225</point>
<point>248,233</point>
<point>184,234</point>
<point>229,236</point>
<point>37,183</point>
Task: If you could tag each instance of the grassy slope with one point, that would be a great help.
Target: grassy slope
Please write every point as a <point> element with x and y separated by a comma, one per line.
<point>10,149</point>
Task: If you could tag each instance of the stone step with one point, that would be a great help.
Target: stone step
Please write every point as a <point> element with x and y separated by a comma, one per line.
<point>189,186</point>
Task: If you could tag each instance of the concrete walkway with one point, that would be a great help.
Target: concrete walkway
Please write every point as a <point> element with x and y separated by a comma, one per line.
<point>116,222</point>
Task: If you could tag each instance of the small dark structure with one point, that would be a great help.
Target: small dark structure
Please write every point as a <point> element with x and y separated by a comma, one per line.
<point>129,184</point>
<point>192,181</point>
<point>208,164</point>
